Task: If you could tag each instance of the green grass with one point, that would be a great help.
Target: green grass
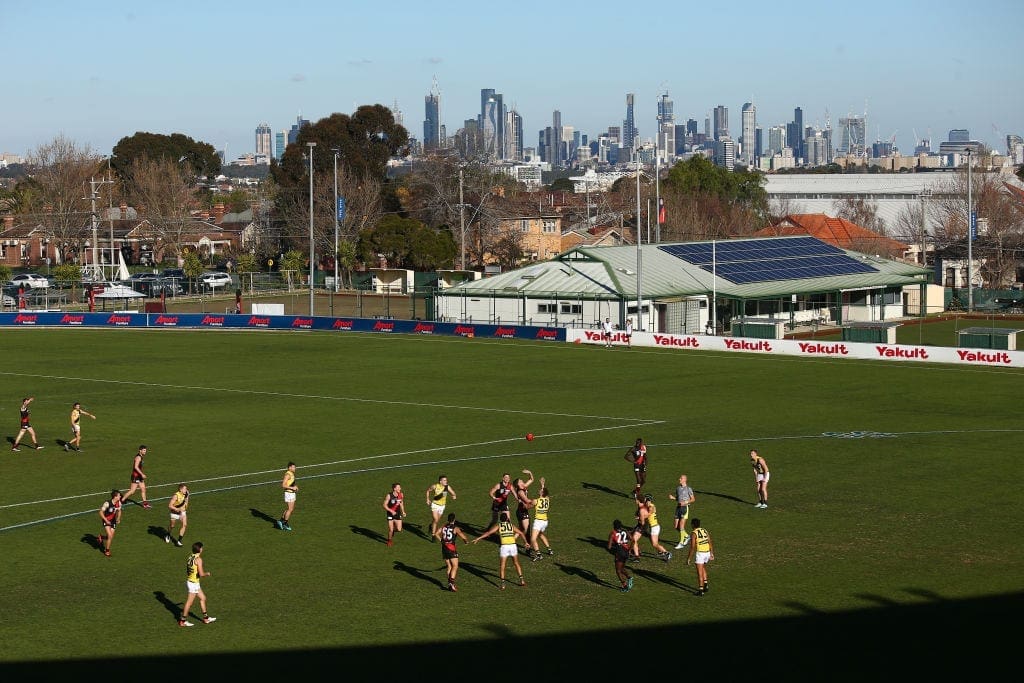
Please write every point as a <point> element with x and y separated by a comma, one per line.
<point>922,517</point>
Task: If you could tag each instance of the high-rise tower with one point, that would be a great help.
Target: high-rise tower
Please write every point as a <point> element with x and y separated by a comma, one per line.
<point>629,133</point>
<point>492,123</point>
<point>748,120</point>
<point>666,129</point>
<point>264,142</point>
<point>432,119</point>
<point>721,122</point>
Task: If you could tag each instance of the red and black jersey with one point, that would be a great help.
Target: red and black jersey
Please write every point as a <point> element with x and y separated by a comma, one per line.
<point>110,510</point>
<point>24,418</point>
<point>395,502</point>
<point>137,468</point>
<point>640,456</point>
<point>500,501</point>
<point>448,534</point>
<point>621,537</point>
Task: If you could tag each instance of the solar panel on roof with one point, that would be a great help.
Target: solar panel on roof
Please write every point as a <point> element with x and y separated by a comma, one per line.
<point>768,260</point>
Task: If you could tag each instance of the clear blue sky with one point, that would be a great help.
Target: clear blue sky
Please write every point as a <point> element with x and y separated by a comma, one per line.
<point>98,71</point>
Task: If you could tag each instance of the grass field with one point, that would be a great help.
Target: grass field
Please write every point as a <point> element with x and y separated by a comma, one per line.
<point>876,542</point>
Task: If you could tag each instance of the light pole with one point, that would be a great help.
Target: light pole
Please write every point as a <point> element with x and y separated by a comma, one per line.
<point>462,222</point>
<point>97,271</point>
<point>970,238</point>
<point>336,212</point>
<point>311,145</point>
<point>639,263</point>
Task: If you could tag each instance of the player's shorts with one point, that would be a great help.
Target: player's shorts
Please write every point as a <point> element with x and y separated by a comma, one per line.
<point>764,477</point>
<point>508,550</point>
<point>540,525</point>
<point>522,513</point>
<point>192,586</point>
<point>437,509</point>
<point>638,530</point>
<point>499,507</point>
<point>111,525</point>
<point>655,530</point>
<point>640,468</point>
<point>448,551</point>
<point>621,553</point>
<point>76,429</point>
<point>137,478</point>
<point>702,557</point>
<point>26,425</point>
<point>394,516</point>
<point>682,512</point>
<point>175,516</point>
<point>289,496</point>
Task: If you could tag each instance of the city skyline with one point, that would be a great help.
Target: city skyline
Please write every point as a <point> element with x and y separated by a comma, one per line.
<point>924,70</point>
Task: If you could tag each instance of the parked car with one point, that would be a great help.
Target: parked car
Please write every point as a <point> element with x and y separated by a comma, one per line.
<point>154,285</point>
<point>31,280</point>
<point>177,281</point>
<point>215,280</point>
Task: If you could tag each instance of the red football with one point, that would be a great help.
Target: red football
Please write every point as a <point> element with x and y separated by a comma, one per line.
<point>529,437</point>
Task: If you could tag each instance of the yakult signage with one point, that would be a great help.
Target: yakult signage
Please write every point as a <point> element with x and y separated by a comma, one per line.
<point>810,348</point>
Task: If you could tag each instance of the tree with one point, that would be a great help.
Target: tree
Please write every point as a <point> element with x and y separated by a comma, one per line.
<point>704,201</point>
<point>431,194</point>
<point>199,158</point>
<point>860,212</point>
<point>247,263</point>
<point>192,265</point>
<point>60,190</point>
<point>365,141</point>
<point>164,195</point>
<point>406,243</point>
<point>562,185</point>
<point>292,263</point>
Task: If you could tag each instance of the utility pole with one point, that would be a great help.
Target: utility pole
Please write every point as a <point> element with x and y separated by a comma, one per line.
<point>97,271</point>
<point>462,222</point>
<point>639,308</point>
<point>312,251</point>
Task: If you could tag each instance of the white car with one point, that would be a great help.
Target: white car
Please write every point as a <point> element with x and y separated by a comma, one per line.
<point>30,281</point>
<point>215,280</point>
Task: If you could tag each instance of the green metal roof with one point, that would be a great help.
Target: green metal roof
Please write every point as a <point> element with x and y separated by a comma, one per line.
<point>611,273</point>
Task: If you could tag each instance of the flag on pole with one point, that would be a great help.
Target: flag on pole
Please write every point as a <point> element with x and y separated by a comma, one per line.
<point>661,210</point>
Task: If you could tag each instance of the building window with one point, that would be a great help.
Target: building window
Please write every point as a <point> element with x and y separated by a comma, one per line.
<point>571,309</point>
<point>524,225</point>
<point>549,225</point>
<point>546,308</point>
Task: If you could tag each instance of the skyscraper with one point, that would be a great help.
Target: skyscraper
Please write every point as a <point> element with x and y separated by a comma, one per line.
<point>852,140</point>
<point>776,139</point>
<point>748,120</point>
<point>554,152</point>
<point>721,122</point>
<point>280,142</point>
<point>666,129</point>
<point>264,141</point>
<point>293,132</point>
<point>629,133</point>
<point>492,123</point>
<point>432,120</point>
<point>513,135</point>
<point>725,152</point>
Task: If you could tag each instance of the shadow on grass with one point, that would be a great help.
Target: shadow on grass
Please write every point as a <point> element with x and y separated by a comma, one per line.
<point>369,533</point>
<point>259,514</point>
<point>158,531</point>
<point>416,530</point>
<point>478,571</point>
<point>168,604</point>
<point>659,577</point>
<point>721,495</point>
<point>91,541</point>
<point>940,638</point>
<point>584,574</point>
<point>420,574</point>
<point>604,489</point>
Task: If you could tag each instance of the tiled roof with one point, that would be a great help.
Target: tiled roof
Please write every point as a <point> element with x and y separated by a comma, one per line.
<point>837,231</point>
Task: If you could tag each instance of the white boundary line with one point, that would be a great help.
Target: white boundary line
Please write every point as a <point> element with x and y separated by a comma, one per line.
<point>283,394</point>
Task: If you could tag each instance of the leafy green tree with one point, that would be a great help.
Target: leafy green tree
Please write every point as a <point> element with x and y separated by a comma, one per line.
<point>562,185</point>
<point>407,243</point>
<point>5,272</point>
<point>346,260</point>
<point>293,262</point>
<point>247,263</point>
<point>705,201</point>
<point>200,158</point>
<point>193,266</point>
